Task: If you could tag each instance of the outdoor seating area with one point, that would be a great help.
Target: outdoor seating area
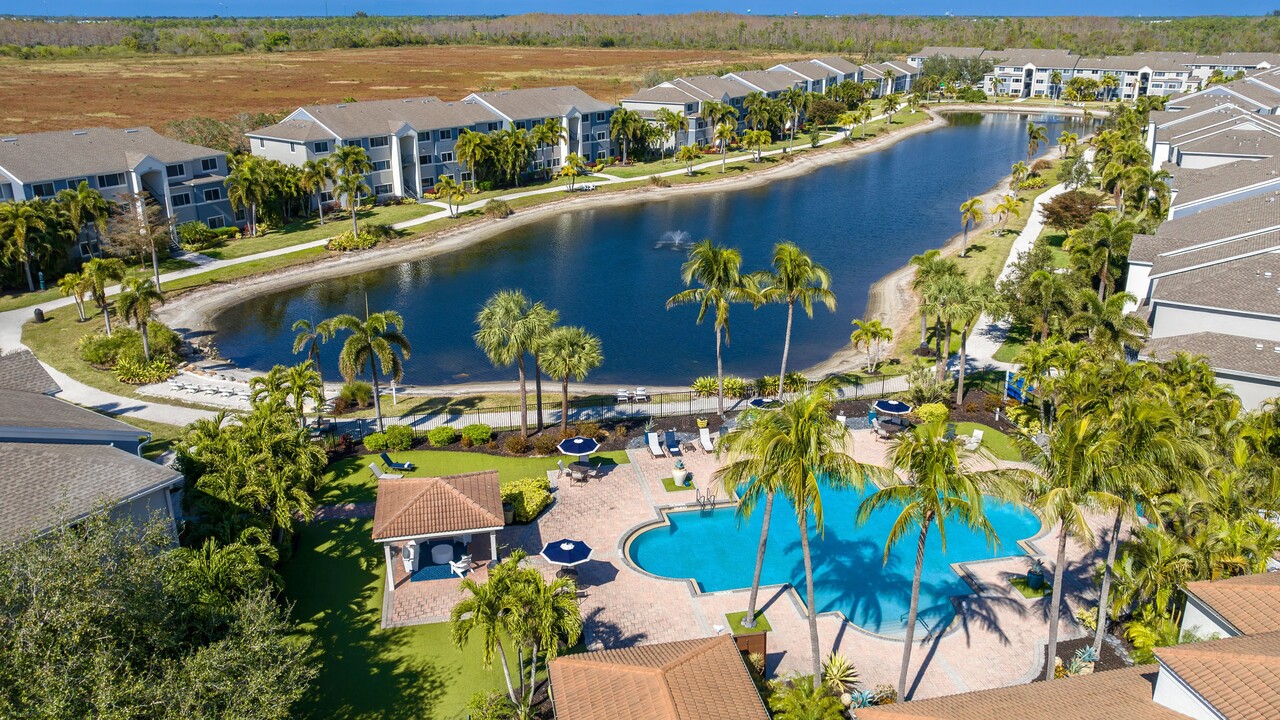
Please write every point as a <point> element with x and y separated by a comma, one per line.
<point>629,396</point>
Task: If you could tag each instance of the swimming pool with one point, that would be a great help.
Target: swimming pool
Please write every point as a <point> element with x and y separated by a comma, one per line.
<point>718,550</point>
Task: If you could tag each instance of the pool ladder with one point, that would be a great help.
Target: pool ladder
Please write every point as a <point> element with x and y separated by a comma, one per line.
<point>706,502</point>
<point>928,631</point>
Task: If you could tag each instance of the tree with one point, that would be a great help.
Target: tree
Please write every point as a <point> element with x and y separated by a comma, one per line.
<point>137,300</point>
<point>352,164</point>
<point>795,100</point>
<point>1109,83</point>
<point>669,123</point>
<point>803,698</point>
<point>976,300</point>
<point>373,342</point>
<point>1100,245</point>
<point>310,336</point>
<point>451,192</point>
<point>624,125</point>
<point>100,273</point>
<point>139,226</point>
<point>1071,210</point>
<point>940,485</point>
<point>1037,135</point>
<point>247,186</point>
<point>85,206</point>
<point>759,112</point>
<point>570,352</point>
<point>1107,323</point>
<point>757,139</point>
<point>1055,79</point>
<point>548,133</point>
<point>487,611</point>
<point>316,176</point>
<point>724,135</point>
<point>795,279</point>
<point>472,149</point>
<point>75,286</point>
<point>1017,173</point>
<point>303,383</point>
<point>688,155</point>
<point>547,618</point>
<point>890,104</point>
<point>971,214</point>
<point>718,271</point>
<point>542,320</point>
<point>514,149</point>
<point>931,269</point>
<point>507,328</point>
<point>19,222</point>
<point>871,333</point>
<point>1067,142</point>
<point>1005,209</point>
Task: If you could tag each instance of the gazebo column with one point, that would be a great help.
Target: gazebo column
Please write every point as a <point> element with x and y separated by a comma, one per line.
<point>493,545</point>
<point>391,570</point>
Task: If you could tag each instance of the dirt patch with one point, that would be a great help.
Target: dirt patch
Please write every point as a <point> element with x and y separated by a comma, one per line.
<point>58,94</point>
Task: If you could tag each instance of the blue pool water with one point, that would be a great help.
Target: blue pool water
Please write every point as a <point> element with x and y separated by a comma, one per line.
<point>718,550</point>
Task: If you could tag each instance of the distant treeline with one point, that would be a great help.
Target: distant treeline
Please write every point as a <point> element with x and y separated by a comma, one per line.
<point>870,36</point>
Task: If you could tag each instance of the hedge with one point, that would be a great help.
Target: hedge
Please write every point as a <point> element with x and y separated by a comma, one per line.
<point>528,496</point>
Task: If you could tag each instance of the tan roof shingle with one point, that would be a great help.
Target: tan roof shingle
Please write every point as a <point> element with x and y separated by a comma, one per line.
<point>1251,603</point>
<point>412,507</point>
<point>1239,677</point>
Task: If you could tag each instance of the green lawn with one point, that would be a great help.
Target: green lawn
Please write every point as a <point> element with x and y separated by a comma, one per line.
<point>669,484</point>
<point>1019,336</point>
<point>308,229</point>
<point>996,442</point>
<point>351,480</point>
<point>1020,584</point>
<point>1055,240</point>
<point>335,583</point>
<point>735,623</point>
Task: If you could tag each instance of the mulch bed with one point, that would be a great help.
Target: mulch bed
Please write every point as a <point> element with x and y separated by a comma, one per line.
<point>1108,660</point>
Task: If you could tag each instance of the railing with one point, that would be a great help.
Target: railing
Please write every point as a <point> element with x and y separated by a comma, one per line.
<point>928,631</point>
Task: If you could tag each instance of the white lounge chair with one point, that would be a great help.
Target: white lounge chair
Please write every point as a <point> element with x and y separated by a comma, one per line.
<point>460,567</point>
<point>623,396</point>
<point>654,447</point>
<point>843,420</point>
<point>704,437</point>
<point>377,472</point>
<point>975,441</point>
<point>642,394</point>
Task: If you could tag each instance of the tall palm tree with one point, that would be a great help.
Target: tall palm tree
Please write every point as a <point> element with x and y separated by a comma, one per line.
<point>1055,79</point>
<point>718,271</point>
<point>316,176</point>
<point>472,149</point>
<point>1069,479</point>
<point>623,127</point>
<point>725,133</point>
<point>1108,324</point>
<point>940,485</point>
<point>548,133</point>
<point>310,336</point>
<point>373,343</point>
<point>758,111</point>
<point>1109,83</point>
<point>452,192</point>
<point>100,273</point>
<point>514,150</point>
<point>1098,245</point>
<point>865,113</point>
<point>930,265</point>
<point>352,187</point>
<point>978,299</point>
<point>85,206</point>
<point>870,333</point>
<point>890,104</point>
<point>717,113</point>
<point>1005,209</point>
<point>19,223</point>
<point>247,187</point>
<point>548,618</point>
<point>1037,135</point>
<point>74,285</point>
<point>542,320</point>
<point>1067,142</point>
<point>795,100</point>
<point>269,387</point>
<point>302,383</point>
<point>136,301</point>
<point>795,279</point>
<point>757,139</point>
<point>668,123</point>
<point>570,352</point>
<point>1051,293</point>
<point>971,214</point>
<point>507,329</point>
<point>486,610</point>
<point>688,154</point>
<point>1017,173</point>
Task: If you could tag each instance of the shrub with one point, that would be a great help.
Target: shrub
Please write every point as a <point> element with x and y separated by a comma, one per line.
<point>620,431</point>
<point>227,232</point>
<point>490,705</point>
<point>101,349</point>
<point>1033,183</point>
<point>884,694</point>
<point>1040,166</point>
<point>347,242</point>
<point>545,444</point>
<point>528,496</point>
<point>379,231</point>
<point>704,386</point>
<point>932,412</point>
<point>497,209</point>
<point>971,95</point>
<point>517,445</point>
<point>587,429</point>
<point>736,387</point>
<point>195,236</point>
<point>356,394</point>
<point>126,343</point>
<point>825,111</point>
<point>814,139</point>
<point>137,372</point>
<point>767,385</point>
<point>658,181</point>
<point>375,442</point>
<point>795,382</point>
<point>441,436</point>
<point>476,434</point>
<point>399,437</point>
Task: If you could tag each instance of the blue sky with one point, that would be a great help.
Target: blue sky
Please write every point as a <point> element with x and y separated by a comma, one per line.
<point>418,7</point>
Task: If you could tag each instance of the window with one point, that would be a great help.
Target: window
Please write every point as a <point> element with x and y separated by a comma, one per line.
<point>493,127</point>
<point>555,162</point>
<point>176,170</point>
<point>351,143</point>
<point>446,157</point>
<point>42,190</point>
<point>209,165</point>
<point>293,147</point>
<point>691,108</point>
<point>599,117</point>
<point>600,155</point>
<point>112,180</point>
<point>326,197</point>
<point>380,165</point>
<point>180,199</point>
<point>466,177</point>
<point>240,214</point>
<point>428,184</point>
<point>382,189</point>
<point>424,136</point>
<point>6,192</point>
<point>380,141</point>
<point>215,222</point>
<point>213,194</point>
<point>446,134</point>
<point>85,250</point>
<point>424,159</point>
<point>602,135</point>
<point>262,142</point>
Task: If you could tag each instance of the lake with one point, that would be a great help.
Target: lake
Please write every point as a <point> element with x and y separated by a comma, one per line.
<point>611,270</point>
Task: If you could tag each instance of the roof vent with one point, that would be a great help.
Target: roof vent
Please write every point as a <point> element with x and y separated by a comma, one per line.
<point>342,105</point>
<point>131,130</point>
<point>79,132</point>
<point>1257,346</point>
<point>10,139</point>
<point>1266,274</point>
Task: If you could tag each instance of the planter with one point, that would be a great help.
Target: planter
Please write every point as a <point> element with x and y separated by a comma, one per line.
<point>702,422</point>
<point>1035,579</point>
<point>680,477</point>
<point>508,513</point>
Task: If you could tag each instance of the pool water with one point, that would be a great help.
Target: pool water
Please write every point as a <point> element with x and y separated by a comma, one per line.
<point>718,550</point>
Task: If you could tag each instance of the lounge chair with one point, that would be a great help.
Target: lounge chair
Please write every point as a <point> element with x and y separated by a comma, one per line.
<point>975,441</point>
<point>642,394</point>
<point>843,420</point>
<point>460,567</point>
<point>673,445</point>
<point>377,473</point>
<point>654,447</point>
<point>393,465</point>
<point>623,396</point>
<point>704,437</point>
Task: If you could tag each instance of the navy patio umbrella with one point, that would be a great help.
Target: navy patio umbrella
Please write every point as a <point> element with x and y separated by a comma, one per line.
<point>891,407</point>
<point>566,552</point>
<point>580,447</point>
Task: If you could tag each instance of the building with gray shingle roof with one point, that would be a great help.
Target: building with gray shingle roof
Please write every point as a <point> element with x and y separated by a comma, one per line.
<point>1198,190</point>
<point>769,82</point>
<point>20,370</point>
<point>27,416</point>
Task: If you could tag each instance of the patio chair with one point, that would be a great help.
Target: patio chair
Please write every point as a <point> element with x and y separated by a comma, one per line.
<point>642,394</point>
<point>673,445</point>
<point>377,473</point>
<point>654,447</point>
<point>843,420</point>
<point>975,441</point>
<point>460,567</point>
<point>393,465</point>
<point>623,396</point>
<point>704,437</point>
<point>575,476</point>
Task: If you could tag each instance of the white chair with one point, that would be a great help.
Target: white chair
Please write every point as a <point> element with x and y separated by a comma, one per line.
<point>460,567</point>
<point>844,421</point>
<point>975,441</point>
<point>704,437</point>
<point>642,394</point>
<point>654,447</point>
<point>573,475</point>
<point>409,556</point>
<point>377,473</point>
<point>623,396</point>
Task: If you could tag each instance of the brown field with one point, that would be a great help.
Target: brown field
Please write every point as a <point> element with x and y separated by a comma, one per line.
<point>62,94</point>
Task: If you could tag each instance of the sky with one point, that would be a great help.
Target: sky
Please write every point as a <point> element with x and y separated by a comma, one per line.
<point>511,7</point>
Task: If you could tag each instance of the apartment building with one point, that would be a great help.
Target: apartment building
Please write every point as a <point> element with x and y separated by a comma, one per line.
<point>686,95</point>
<point>187,181</point>
<point>410,141</point>
<point>891,77</point>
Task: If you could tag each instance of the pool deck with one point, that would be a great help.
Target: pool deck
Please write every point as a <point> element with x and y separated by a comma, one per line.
<point>997,638</point>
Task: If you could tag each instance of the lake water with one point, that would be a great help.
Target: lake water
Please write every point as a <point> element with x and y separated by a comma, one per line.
<point>611,270</point>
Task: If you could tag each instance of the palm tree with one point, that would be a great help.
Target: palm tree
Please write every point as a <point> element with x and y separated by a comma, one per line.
<point>804,698</point>
<point>718,271</point>
<point>316,176</point>
<point>247,187</point>
<point>570,352</point>
<point>970,214</point>
<point>507,329</point>
<point>623,127</point>
<point>1107,322</point>
<point>1050,292</point>
<point>542,320</point>
<point>352,164</point>
<point>795,100</point>
<point>1069,479</point>
<point>1055,79</point>
<point>373,343</point>
<point>1037,135</point>
<point>668,123</point>
<point>1109,83</point>
<point>865,113</point>
<point>100,273</point>
<point>352,186</point>
<point>137,300</point>
<point>931,267</point>
<point>448,189</point>
<point>1067,142</point>
<point>85,205</point>
<point>757,139</point>
<point>795,278</point>
<point>310,336</point>
<point>890,104</point>
<point>688,154</point>
<point>758,111</point>
<point>74,285</point>
<point>1017,173</point>
<point>515,150</point>
<point>977,299</point>
<point>1099,243</point>
<point>847,120</point>
<point>941,485</point>
<point>302,383</point>
<point>725,134</point>
<point>19,223</point>
<point>716,113</point>
<point>487,610</point>
<point>548,619</point>
<point>871,333</point>
<point>546,134</point>
<point>269,387</point>
<point>1005,209</point>
<point>472,149</point>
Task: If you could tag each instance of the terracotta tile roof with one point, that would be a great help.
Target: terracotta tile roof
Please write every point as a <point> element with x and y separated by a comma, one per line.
<point>412,507</point>
<point>1113,695</point>
<point>702,679</point>
<point>1251,603</point>
<point>1239,677</point>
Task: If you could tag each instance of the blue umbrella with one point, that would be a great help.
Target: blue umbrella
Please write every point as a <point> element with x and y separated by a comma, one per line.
<point>580,447</point>
<point>891,407</point>
<point>763,403</point>
<point>567,552</point>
